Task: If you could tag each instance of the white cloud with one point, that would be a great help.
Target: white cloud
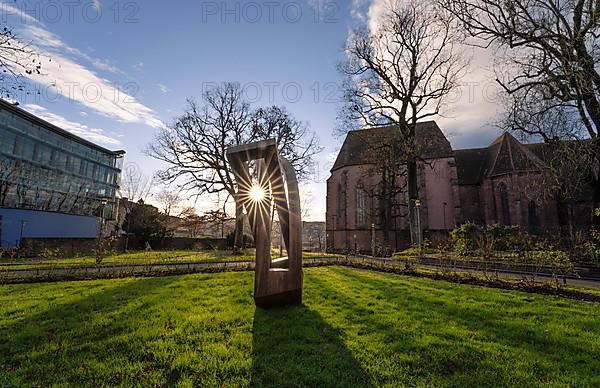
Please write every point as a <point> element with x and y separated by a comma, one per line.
<point>95,135</point>
<point>64,76</point>
<point>84,114</point>
<point>376,12</point>
<point>10,10</point>
<point>41,37</point>
<point>358,9</point>
<point>102,64</point>
<point>469,115</point>
<point>163,88</point>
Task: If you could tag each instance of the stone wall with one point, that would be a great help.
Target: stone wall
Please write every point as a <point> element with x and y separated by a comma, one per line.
<point>68,247</point>
<point>183,244</point>
<point>64,247</point>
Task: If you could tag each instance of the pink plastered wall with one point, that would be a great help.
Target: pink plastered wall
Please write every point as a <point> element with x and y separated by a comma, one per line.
<point>439,175</point>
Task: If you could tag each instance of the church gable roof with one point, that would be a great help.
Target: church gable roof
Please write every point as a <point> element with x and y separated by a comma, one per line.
<point>506,155</point>
<point>357,149</point>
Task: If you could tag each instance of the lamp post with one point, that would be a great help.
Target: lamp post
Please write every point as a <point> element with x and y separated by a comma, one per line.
<point>373,239</point>
<point>103,203</point>
<point>334,217</point>
<point>396,245</point>
<point>23,222</point>
<point>419,237</point>
<point>355,244</point>
<point>445,204</point>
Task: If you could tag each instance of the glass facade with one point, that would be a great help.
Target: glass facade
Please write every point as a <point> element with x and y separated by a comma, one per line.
<point>45,168</point>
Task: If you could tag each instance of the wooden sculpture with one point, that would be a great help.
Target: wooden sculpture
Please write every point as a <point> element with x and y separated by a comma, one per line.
<point>276,282</point>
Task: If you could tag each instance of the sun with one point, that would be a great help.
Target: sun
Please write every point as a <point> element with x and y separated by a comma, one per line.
<point>256,193</point>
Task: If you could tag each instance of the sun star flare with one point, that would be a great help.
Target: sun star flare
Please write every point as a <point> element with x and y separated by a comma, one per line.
<point>256,193</point>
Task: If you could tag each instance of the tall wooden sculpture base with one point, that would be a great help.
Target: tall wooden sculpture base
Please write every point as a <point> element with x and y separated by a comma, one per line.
<point>276,282</point>
<point>293,297</point>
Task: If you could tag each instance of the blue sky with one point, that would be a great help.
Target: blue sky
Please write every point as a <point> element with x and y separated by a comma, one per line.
<point>160,53</point>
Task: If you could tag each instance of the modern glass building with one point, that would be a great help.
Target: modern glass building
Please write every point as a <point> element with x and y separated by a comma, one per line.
<point>43,167</point>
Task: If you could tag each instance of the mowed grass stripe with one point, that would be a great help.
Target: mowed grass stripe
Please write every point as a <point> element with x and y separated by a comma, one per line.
<point>356,328</point>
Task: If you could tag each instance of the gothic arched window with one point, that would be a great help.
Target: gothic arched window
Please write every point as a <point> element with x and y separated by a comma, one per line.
<point>361,218</point>
<point>504,203</point>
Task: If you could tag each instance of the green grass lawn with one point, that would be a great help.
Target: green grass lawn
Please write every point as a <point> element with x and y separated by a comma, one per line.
<point>356,328</point>
<point>140,257</point>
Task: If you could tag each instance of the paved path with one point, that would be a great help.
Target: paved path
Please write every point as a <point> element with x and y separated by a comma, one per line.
<point>195,267</point>
<point>502,273</point>
<point>506,274</point>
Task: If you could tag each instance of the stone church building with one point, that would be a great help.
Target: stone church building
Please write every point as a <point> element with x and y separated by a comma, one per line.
<point>498,184</point>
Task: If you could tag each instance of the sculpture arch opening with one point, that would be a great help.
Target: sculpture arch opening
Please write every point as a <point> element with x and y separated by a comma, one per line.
<point>276,282</point>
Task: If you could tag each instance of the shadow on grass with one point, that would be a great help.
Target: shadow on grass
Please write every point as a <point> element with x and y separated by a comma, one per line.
<point>519,329</point>
<point>294,346</point>
<point>457,337</point>
<point>88,340</point>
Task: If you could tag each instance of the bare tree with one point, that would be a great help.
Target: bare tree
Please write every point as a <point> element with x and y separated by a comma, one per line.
<point>17,59</point>
<point>168,200</point>
<point>399,74</point>
<point>294,140</point>
<point>314,234</point>
<point>211,223</point>
<point>8,171</point>
<point>547,53</point>
<point>194,147</point>
<point>565,180</point>
<point>192,221</point>
<point>564,176</point>
<point>135,185</point>
<point>216,220</point>
<point>307,200</point>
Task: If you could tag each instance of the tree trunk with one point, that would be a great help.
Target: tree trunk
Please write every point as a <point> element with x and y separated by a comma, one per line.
<point>571,219</point>
<point>239,225</point>
<point>595,185</point>
<point>413,196</point>
<point>387,208</point>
